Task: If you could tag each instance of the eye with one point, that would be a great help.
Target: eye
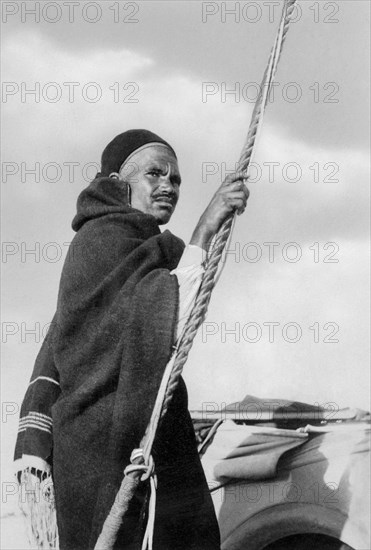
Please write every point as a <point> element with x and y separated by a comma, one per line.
<point>154,172</point>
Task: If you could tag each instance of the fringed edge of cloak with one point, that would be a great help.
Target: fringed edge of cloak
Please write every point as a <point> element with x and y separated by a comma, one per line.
<point>37,503</point>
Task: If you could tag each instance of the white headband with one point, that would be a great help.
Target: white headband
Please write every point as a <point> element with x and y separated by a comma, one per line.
<point>152,144</point>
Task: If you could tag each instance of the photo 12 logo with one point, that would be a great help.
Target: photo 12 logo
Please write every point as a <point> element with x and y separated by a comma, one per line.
<point>68,92</point>
<point>275,172</point>
<point>290,92</point>
<point>69,12</point>
<point>257,12</point>
<point>270,332</point>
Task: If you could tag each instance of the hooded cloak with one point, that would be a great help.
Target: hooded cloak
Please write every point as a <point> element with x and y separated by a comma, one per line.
<point>97,375</point>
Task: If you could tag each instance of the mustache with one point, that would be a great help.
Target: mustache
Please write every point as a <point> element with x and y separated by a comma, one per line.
<point>165,195</point>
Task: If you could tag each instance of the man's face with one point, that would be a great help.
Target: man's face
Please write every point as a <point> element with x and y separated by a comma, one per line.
<point>154,179</point>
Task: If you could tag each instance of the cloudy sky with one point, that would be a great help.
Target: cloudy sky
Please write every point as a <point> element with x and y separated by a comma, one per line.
<point>189,71</point>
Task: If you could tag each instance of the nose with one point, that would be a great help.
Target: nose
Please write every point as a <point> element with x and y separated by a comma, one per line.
<point>166,183</point>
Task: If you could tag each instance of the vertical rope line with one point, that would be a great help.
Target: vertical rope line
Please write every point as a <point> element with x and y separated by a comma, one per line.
<point>202,300</point>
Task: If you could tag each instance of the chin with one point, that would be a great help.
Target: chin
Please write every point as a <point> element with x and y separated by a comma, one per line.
<point>163,216</point>
<point>161,220</point>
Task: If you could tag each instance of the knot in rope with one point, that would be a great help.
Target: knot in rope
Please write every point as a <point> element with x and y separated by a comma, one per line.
<point>139,464</point>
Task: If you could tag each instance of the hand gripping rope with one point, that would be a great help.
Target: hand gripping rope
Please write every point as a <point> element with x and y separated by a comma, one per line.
<point>142,466</point>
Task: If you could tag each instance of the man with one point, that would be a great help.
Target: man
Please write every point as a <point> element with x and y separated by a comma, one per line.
<point>126,290</point>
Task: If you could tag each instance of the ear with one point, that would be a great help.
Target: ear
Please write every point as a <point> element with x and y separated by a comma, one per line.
<point>128,193</point>
<point>125,186</point>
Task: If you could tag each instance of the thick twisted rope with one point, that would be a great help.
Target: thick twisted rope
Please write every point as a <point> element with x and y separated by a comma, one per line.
<point>141,459</point>
<point>202,300</point>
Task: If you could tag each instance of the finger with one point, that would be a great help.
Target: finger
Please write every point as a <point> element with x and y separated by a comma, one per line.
<point>240,210</point>
<point>235,176</point>
<point>236,203</point>
<point>245,190</point>
<point>236,186</point>
<point>240,186</point>
<point>242,194</point>
<point>239,175</point>
<point>242,175</point>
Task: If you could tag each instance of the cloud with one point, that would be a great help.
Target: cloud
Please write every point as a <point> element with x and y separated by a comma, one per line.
<point>326,204</point>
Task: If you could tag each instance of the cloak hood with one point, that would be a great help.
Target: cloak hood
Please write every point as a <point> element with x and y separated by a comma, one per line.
<point>102,197</point>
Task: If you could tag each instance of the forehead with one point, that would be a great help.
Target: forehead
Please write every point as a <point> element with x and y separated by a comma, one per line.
<point>154,154</point>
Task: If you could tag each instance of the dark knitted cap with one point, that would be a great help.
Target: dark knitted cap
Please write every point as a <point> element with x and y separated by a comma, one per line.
<point>123,145</point>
